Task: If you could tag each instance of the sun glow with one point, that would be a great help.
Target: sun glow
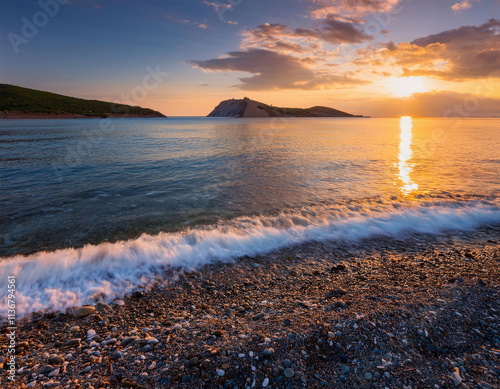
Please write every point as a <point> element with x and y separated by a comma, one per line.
<point>406,86</point>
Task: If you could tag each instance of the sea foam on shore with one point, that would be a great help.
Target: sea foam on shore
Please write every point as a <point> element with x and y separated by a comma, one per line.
<point>65,278</point>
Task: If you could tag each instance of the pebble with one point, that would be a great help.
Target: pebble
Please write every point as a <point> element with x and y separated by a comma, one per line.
<point>289,373</point>
<point>265,382</point>
<point>84,310</point>
<point>53,373</point>
<point>345,369</point>
<point>91,334</point>
<point>368,376</point>
<point>55,359</point>
<point>152,341</point>
<point>129,339</point>
<point>220,372</point>
<point>193,361</point>
<point>74,329</point>
<point>103,307</point>
<point>74,342</point>
<point>457,380</point>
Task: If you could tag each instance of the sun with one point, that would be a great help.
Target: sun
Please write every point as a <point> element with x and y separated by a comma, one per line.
<point>406,86</point>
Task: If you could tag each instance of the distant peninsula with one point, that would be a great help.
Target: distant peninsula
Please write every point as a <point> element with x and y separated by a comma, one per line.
<point>246,108</point>
<point>18,102</point>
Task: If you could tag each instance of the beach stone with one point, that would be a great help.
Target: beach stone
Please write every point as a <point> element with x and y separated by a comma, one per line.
<point>368,376</point>
<point>53,373</point>
<point>338,268</point>
<point>103,307</point>
<point>193,361</point>
<point>457,380</point>
<point>152,341</point>
<point>117,354</point>
<point>74,329</point>
<point>84,310</point>
<point>265,382</point>
<point>220,372</point>
<point>55,359</point>
<point>45,369</point>
<point>74,342</point>
<point>289,373</point>
<point>258,316</point>
<point>30,385</point>
<point>129,339</point>
<point>345,369</point>
<point>336,292</point>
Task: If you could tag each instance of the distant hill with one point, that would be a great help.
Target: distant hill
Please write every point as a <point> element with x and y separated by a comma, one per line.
<point>246,108</point>
<point>18,102</point>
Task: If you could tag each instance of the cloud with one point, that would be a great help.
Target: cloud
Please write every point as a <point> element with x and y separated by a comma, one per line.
<point>354,8</point>
<point>271,70</point>
<point>334,31</point>
<point>203,26</point>
<point>459,7</point>
<point>218,5</point>
<point>282,38</point>
<point>467,52</point>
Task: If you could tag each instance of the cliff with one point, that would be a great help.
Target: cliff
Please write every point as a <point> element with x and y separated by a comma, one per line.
<point>250,108</point>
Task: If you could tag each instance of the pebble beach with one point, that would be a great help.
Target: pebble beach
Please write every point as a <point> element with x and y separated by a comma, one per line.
<point>416,312</point>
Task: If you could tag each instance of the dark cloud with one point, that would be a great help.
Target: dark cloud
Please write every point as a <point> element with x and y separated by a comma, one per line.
<point>335,31</point>
<point>272,70</point>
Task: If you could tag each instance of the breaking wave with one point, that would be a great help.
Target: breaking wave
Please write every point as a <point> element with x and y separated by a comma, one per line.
<point>64,278</point>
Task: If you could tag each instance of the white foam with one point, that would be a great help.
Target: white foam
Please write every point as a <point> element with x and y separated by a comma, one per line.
<point>69,277</point>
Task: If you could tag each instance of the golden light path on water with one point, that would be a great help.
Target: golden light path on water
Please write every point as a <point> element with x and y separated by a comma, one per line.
<point>405,154</point>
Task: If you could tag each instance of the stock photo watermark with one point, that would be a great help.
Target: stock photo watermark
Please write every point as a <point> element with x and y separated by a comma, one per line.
<point>11,322</point>
<point>31,26</point>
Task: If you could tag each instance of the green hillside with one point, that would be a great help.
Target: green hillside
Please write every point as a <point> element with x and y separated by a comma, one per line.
<point>28,101</point>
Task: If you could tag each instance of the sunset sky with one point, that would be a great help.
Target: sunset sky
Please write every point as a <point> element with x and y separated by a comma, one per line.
<point>370,57</point>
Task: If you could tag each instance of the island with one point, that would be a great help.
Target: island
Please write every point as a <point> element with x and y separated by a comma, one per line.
<point>247,108</point>
<point>23,103</point>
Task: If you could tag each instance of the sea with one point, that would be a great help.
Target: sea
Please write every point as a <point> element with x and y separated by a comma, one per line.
<point>94,208</point>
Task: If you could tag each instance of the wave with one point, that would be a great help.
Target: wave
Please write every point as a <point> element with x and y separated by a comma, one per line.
<point>64,278</point>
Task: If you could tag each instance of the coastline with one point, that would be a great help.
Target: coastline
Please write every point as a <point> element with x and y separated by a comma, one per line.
<point>382,312</point>
<point>72,116</point>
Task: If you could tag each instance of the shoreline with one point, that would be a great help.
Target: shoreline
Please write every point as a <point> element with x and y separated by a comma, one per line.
<point>74,116</point>
<point>382,312</point>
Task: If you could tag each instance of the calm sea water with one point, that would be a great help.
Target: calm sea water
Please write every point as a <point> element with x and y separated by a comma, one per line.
<point>205,189</point>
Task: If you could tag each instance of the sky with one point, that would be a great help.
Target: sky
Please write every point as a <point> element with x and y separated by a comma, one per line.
<point>182,57</point>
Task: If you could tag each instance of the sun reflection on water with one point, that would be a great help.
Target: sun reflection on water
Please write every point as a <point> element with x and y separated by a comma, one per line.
<point>405,154</point>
